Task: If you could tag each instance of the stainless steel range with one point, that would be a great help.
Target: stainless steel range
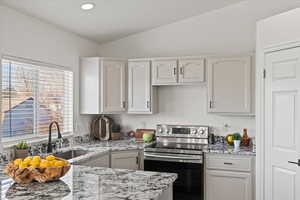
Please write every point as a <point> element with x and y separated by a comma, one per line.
<point>180,144</point>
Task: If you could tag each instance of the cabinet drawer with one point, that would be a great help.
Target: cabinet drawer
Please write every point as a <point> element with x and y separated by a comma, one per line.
<point>225,162</point>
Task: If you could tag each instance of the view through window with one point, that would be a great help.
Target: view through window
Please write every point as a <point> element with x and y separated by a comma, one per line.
<point>34,95</point>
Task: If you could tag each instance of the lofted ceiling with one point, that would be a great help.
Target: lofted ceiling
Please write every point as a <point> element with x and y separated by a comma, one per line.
<point>114,19</point>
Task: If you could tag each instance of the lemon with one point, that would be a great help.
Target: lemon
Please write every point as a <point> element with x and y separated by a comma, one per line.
<point>50,158</point>
<point>52,163</point>
<point>35,163</point>
<point>23,165</point>
<point>59,163</point>
<point>28,159</point>
<point>36,158</point>
<point>17,162</point>
<point>44,164</point>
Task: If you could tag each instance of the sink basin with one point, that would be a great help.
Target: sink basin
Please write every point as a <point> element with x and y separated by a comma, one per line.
<point>67,155</point>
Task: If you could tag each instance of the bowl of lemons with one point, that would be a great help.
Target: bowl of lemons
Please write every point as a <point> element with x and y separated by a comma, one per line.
<point>36,168</point>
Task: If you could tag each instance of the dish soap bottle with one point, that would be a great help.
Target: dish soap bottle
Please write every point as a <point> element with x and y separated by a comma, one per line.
<point>245,138</point>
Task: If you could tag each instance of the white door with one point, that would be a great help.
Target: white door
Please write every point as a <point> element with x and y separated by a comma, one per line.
<point>113,81</point>
<point>282,133</point>
<point>228,185</point>
<point>191,70</point>
<point>139,87</point>
<point>164,72</point>
<point>229,85</point>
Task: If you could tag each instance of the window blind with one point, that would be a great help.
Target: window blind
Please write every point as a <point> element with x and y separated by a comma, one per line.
<point>34,95</point>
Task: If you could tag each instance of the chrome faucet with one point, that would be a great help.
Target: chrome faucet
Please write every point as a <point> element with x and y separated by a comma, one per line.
<point>49,149</point>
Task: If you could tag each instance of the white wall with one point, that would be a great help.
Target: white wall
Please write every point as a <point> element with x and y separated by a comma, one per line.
<point>229,30</point>
<point>27,37</point>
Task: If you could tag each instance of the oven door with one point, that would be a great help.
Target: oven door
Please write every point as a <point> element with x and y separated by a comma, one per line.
<point>189,185</point>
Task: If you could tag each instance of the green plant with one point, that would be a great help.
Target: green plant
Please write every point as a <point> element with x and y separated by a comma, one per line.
<point>22,145</point>
<point>237,136</point>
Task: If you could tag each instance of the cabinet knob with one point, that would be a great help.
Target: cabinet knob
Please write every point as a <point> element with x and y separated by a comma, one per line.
<point>124,104</point>
<point>211,104</point>
<point>181,70</point>
<point>175,70</point>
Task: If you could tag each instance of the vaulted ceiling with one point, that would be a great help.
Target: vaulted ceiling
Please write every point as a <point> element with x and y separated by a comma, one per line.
<point>114,19</point>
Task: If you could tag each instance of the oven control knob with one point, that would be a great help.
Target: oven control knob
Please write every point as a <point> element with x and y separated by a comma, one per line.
<point>193,131</point>
<point>201,131</point>
<point>169,131</point>
<point>160,130</point>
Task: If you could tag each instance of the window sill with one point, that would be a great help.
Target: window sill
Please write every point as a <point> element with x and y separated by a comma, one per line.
<point>30,139</point>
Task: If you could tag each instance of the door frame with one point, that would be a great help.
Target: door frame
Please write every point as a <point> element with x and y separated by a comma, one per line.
<point>260,111</point>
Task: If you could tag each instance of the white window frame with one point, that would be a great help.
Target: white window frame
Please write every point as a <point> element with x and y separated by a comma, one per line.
<point>35,137</point>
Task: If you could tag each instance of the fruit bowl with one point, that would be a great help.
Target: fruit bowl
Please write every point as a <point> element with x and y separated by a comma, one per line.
<point>42,172</point>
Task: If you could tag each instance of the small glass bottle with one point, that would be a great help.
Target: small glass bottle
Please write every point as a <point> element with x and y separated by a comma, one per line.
<point>245,138</point>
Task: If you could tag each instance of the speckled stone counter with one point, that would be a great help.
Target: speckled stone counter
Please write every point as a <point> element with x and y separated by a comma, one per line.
<point>97,148</point>
<point>88,183</point>
<point>116,145</point>
<point>226,149</point>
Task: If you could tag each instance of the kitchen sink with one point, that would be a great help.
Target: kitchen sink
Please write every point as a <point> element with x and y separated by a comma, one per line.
<point>67,155</point>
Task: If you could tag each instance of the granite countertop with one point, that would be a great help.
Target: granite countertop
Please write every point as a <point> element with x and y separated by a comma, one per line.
<point>227,149</point>
<point>95,183</point>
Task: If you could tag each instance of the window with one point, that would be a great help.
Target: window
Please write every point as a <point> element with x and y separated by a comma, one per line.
<point>34,95</point>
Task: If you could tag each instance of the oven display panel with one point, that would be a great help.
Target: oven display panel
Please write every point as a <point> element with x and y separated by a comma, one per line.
<point>181,131</point>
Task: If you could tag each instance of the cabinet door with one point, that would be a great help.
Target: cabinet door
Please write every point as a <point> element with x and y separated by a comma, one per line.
<point>90,86</point>
<point>139,87</point>
<point>164,72</point>
<point>229,85</point>
<point>228,185</point>
<point>102,161</point>
<point>191,70</point>
<point>125,160</point>
<point>113,83</point>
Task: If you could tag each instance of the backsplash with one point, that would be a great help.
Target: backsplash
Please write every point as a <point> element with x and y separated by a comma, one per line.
<point>186,105</point>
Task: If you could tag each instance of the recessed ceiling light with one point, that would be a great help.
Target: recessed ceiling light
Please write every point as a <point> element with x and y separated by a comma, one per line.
<point>87,6</point>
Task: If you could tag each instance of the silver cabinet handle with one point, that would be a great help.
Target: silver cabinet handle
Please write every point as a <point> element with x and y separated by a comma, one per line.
<point>211,104</point>
<point>175,70</point>
<point>148,104</point>
<point>181,70</point>
<point>227,163</point>
<point>124,104</point>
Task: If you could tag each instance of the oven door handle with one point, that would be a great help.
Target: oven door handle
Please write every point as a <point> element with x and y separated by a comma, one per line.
<point>172,157</point>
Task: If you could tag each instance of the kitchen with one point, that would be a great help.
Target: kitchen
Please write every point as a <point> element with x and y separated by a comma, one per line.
<point>143,80</point>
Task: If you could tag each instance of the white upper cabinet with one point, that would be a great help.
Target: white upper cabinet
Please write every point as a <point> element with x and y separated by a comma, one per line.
<point>164,71</point>
<point>114,86</point>
<point>141,95</point>
<point>174,71</point>
<point>102,85</point>
<point>229,85</point>
<point>191,70</point>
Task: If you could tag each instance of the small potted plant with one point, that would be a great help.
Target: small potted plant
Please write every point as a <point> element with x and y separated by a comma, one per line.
<point>21,150</point>
<point>237,141</point>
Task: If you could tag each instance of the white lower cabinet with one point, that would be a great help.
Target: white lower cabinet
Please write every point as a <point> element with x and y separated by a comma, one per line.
<point>126,160</point>
<point>229,177</point>
<point>228,185</point>
<point>99,161</point>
